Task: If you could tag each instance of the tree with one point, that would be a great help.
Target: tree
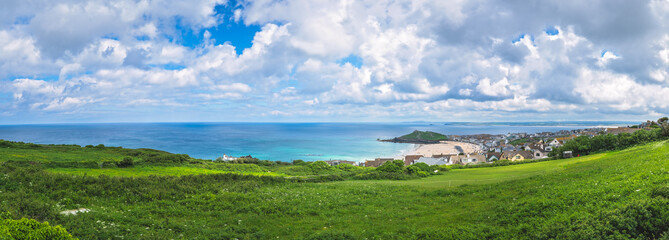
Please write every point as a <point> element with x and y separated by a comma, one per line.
<point>664,125</point>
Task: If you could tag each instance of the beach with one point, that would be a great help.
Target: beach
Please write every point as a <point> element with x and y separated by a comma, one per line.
<point>444,147</point>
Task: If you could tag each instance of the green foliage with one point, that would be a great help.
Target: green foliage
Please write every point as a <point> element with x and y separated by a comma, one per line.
<point>584,145</point>
<point>345,167</point>
<point>31,229</point>
<point>424,135</point>
<point>299,162</point>
<point>126,162</point>
<point>319,166</point>
<point>442,168</point>
<point>395,166</point>
<point>663,123</point>
<point>423,166</point>
<point>413,170</point>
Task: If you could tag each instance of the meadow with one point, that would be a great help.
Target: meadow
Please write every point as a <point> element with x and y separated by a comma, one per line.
<point>613,195</point>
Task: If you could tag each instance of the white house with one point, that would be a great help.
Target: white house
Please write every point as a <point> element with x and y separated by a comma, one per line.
<point>555,143</point>
<point>433,161</point>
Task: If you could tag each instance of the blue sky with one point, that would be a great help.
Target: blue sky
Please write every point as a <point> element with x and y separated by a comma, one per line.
<point>332,61</point>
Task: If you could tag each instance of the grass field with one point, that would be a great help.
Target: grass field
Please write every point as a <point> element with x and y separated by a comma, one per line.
<point>614,195</point>
<point>143,171</point>
<point>457,177</point>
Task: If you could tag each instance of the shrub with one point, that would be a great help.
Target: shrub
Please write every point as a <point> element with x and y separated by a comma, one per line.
<point>396,166</point>
<point>439,168</point>
<point>345,167</point>
<point>126,162</point>
<point>299,162</point>
<point>319,167</point>
<point>413,170</point>
<point>423,166</point>
<point>31,229</point>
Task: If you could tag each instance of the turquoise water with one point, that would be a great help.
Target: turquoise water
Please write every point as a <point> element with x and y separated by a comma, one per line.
<point>272,141</point>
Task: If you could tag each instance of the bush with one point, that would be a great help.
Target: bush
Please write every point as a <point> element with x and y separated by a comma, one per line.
<point>584,145</point>
<point>396,166</point>
<point>126,162</point>
<point>439,168</point>
<point>413,170</point>
<point>423,166</point>
<point>345,167</point>
<point>319,167</point>
<point>299,162</point>
<point>31,229</point>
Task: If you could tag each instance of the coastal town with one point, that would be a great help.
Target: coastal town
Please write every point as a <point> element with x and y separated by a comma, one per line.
<point>434,148</point>
<point>488,148</point>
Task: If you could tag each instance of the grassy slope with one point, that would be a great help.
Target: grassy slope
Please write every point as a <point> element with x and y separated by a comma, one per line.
<point>143,171</point>
<point>58,153</point>
<point>586,197</point>
<point>459,177</point>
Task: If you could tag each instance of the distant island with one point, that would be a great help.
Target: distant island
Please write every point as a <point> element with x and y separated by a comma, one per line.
<point>418,137</point>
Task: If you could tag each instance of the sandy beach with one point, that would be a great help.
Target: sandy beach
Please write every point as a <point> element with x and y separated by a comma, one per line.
<point>444,147</point>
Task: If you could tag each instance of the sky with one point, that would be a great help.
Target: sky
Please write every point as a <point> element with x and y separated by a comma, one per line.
<point>67,61</point>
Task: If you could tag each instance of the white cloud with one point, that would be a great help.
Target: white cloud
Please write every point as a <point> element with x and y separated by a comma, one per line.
<point>499,88</point>
<point>411,58</point>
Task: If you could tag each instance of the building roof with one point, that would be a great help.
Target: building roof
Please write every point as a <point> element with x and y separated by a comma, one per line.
<point>432,161</point>
<point>409,159</point>
<point>498,155</point>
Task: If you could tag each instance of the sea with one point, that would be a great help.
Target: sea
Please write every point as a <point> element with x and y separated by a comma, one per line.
<point>270,141</point>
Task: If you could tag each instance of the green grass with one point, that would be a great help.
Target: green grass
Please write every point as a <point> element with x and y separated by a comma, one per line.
<point>142,171</point>
<point>614,195</point>
<point>57,154</point>
<point>457,177</point>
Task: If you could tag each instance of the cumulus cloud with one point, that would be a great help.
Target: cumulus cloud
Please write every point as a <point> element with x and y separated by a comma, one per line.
<point>352,59</point>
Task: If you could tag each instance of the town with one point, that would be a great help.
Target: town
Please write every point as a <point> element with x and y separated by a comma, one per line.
<point>511,147</point>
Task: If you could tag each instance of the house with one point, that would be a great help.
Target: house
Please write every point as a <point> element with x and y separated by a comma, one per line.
<point>516,155</point>
<point>433,161</point>
<point>538,154</point>
<point>469,159</point>
<point>443,155</point>
<point>226,158</point>
<point>537,151</point>
<point>377,162</point>
<point>493,156</point>
<point>409,159</point>
<point>548,149</point>
<point>555,143</point>
<point>337,162</point>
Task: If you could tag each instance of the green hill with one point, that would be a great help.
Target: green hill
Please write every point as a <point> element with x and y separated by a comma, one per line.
<point>419,137</point>
<point>424,135</point>
<point>614,195</point>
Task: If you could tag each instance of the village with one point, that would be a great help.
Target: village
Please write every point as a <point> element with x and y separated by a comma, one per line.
<point>492,148</point>
<point>487,148</point>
